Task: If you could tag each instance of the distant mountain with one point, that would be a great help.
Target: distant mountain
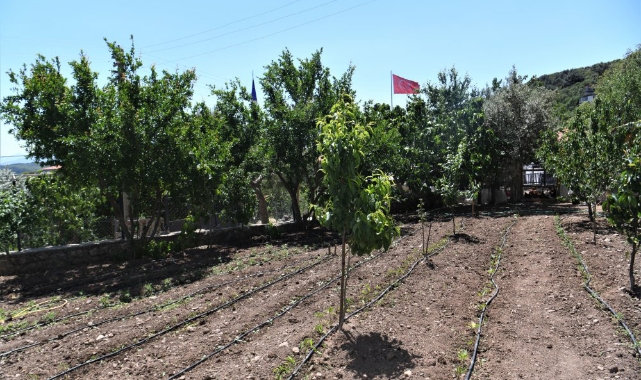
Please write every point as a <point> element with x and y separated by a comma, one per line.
<point>23,168</point>
<point>571,84</point>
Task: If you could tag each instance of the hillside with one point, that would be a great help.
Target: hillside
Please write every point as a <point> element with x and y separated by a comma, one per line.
<point>570,84</point>
<point>23,168</point>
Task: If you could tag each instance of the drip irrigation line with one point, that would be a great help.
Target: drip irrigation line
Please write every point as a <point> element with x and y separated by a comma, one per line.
<point>118,272</point>
<point>42,324</point>
<point>132,315</point>
<point>333,329</point>
<point>488,302</point>
<point>593,293</point>
<point>238,339</point>
<point>283,311</point>
<point>189,320</point>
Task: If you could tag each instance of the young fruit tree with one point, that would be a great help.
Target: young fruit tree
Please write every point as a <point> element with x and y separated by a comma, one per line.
<point>358,207</point>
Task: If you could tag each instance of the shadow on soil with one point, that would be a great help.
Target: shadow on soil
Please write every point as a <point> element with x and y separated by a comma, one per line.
<point>585,225</point>
<point>465,238</point>
<point>135,277</point>
<point>375,354</point>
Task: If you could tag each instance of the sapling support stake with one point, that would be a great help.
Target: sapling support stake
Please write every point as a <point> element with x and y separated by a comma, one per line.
<point>429,232</point>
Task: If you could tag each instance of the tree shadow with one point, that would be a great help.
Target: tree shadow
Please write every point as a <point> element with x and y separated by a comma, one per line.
<point>375,354</point>
<point>636,293</point>
<point>91,279</point>
<point>466,238</point>
<point>112,275</point>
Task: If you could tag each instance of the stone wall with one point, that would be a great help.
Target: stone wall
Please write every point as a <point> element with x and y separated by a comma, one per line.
<point>42,259</point>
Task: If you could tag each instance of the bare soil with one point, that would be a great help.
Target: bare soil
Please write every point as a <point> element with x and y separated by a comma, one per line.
<point>254,309</point>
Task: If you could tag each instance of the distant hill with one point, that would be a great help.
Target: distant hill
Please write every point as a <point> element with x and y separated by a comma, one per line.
<point>23,168</point>
<point>570,84</point>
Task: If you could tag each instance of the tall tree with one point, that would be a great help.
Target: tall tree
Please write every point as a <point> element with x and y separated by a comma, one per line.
<point>619,107</point>
<point>582,155</point>
<point>295,97</point>
<point>625,201</point>
<point>444,142</point>
<point>240,122</point>
<point>518,113</point>
<point>134,136</point>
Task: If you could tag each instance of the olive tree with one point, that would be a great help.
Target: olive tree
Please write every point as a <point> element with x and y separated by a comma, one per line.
<point>518,113</point>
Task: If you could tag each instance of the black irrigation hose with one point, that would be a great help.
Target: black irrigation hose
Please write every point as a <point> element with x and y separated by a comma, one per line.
<point>129,316</point>
<point>368,305</point>
<point>588,279</point>
<point>69,316</point>
<point>189,320</point>
<point>114,273</point>
<point>282,312</point>
<point>42,324</point>
<point>487,304</point>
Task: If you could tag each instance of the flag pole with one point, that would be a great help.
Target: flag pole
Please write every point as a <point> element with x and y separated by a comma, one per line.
<point>391,90</point>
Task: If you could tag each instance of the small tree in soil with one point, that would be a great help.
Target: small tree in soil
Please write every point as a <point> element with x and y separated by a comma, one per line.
<point>358,207</point>
<point>454,173</point>
<point>625,200</point>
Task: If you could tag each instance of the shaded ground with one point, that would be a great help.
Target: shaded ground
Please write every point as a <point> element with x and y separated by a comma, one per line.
<point>254,310</point>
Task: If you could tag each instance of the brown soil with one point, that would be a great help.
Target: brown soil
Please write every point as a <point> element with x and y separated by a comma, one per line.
<point>254,309</point>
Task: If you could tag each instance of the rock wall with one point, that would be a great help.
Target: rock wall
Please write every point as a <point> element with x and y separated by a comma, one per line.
<point>42,259</point>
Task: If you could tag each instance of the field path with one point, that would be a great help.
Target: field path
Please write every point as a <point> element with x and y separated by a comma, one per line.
<point>543,324</point>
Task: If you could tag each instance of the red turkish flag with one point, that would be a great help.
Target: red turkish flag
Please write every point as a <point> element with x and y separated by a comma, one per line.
<point>404,86</point>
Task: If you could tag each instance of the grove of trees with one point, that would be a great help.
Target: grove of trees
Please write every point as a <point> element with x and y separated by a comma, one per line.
<point>596,151</point>
<point>128,144</point>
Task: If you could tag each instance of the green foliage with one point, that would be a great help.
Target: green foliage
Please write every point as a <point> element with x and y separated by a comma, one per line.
<point>625,201</point>
<point>597,149</point>
<point>138,135</point>
<point>517,114</point>
<point>286,367</point>
<point>14,209</point>
<point>187,237</point>
<point>444,142</point>
<point>295,97</point>
<point>357,207</point>
<point>125,296</point>
<point>45,211</point>
<point>569,85</point>
<point>157,249</point>
<point>238,122</point>
<point>60,212</point>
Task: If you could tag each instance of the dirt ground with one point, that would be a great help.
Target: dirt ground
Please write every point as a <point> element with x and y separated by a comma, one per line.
<point>256,309</point>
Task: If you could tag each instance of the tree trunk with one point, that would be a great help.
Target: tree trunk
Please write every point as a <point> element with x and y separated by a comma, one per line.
<point>473,200</point>
<point>590,215</point>
<point>427,243</point>
<point>296,214</point>
<point>262,203</point>
<point>292,190</point>
<point>594,225</point>
<point>517,182</point>
<point>631,271</point>
<point>341,313</point>
<point>423,230</point>
<point>453,223</point>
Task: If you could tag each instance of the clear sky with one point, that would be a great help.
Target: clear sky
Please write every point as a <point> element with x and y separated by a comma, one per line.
<point>413,38</point>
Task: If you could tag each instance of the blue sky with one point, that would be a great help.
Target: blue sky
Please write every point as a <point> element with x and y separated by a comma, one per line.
<point>413,38</point>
